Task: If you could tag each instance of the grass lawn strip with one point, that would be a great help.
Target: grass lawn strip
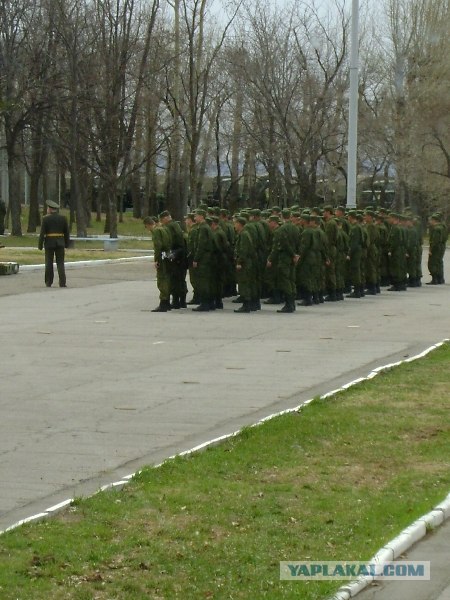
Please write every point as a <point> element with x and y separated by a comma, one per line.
<point>334,481</point>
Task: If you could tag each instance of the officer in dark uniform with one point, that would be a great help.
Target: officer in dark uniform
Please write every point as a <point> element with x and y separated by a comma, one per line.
<point>54,237</point>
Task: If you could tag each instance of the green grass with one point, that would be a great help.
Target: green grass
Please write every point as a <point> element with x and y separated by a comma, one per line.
<point>333,482</point>
<point>129,226</point>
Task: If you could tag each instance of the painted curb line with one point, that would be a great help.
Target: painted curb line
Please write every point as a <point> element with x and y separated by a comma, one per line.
<point>395,547</point>
<point>88,263</point>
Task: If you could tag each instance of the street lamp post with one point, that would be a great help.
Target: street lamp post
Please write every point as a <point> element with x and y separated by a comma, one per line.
<point>353,108</point>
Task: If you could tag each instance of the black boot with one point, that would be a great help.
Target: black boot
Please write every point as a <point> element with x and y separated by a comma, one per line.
<point>355,294</point>
<point>289,306</point>
<point>202,307</point>
<point>315,298</point>
<point>175,302</point>
<point>245,308</point>
<point>164,306</point>
<point>274,298</point>
<point>331,296</point>
<point>433,281</point>
<point>238,300</point>
<point>307,300</point>
<point>371,290</point>
<point>194,301</point>
<point>183,301</point>
<point>219,303</point>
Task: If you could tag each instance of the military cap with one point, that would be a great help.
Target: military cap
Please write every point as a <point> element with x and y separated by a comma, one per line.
<point>240,219</point>
<point>370,212</point>
<point>215,219</point>
<point>275,209</point>
<point>296,213</point>
<point>52,204</point>
<point>286,213</point>
<point>352,213</point>
<point>190,215</point>
<point>201,212</point>
<point>149,220</point>
<point>306,217</point>
<point>341,208</point>
<point>210,210</point>
<point>164,213</point>
<point>315,218</point>
<point>244,214</point>
<point>436,216</point>
<point>209,220</point>
<point>274,219</point>
<point>255,212</point>
<point>224,212</point>
<point>328,208</point>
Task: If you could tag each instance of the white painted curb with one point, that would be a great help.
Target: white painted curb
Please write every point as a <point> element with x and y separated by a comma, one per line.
<point>394,548</point>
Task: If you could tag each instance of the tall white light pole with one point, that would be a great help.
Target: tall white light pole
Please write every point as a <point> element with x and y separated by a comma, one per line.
<point>353,108</point>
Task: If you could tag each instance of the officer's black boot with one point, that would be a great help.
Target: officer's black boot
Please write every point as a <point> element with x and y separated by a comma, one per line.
<point>183,301</point>
<point>219,303</point>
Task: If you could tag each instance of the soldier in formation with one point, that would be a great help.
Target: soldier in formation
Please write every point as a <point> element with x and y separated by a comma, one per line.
<point>284,256</point>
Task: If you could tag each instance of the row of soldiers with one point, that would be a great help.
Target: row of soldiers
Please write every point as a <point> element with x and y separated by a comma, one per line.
<point>288,255</point>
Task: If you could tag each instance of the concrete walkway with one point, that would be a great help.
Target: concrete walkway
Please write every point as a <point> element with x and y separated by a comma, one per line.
<point>94,385</point>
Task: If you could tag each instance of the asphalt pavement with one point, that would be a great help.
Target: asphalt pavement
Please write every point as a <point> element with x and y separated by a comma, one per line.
<point>93,385</point>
